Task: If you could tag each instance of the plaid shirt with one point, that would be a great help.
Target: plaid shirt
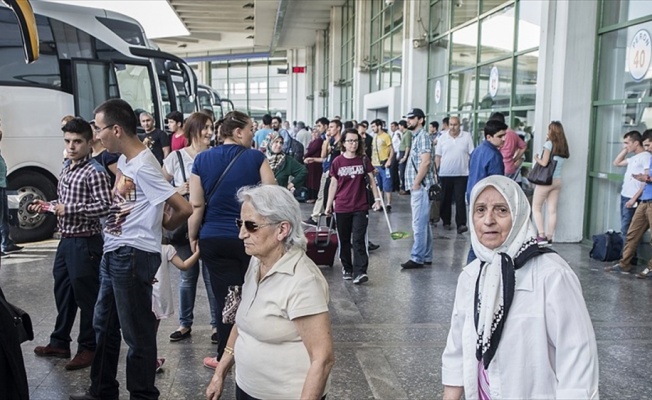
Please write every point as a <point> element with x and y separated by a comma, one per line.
<point>85,193</point>
<point>421,144</point>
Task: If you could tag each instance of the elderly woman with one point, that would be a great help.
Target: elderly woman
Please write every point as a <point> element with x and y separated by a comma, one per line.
<point>285,167</point>
<point>520,328</point>
<point>281,342</point>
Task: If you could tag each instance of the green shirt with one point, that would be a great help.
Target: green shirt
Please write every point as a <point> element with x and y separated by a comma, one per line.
<point>3,172</point>
<point>406,141</point>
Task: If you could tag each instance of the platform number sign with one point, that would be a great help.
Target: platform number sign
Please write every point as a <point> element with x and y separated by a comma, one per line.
<point>639,55</point>
<point>437,92</point>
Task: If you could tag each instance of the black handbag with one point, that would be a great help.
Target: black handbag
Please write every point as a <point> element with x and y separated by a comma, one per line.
<point>434,191</point>
<point>22,321</point>
<point>180,234</point>
<point>367,185</point>
<point>540,175</point>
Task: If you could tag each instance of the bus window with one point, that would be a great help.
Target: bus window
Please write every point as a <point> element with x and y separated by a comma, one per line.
<point>135,86</point>
<point>13,69</point>
<point>129,32</point>
<point>71,42</point>
<point>95,83</point>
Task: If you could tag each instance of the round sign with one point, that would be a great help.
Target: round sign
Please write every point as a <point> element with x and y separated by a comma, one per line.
<point>437,92</point>
<point>639,55</point>
<point>494,79</point>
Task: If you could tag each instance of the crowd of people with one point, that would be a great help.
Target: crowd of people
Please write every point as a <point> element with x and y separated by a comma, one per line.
<point>222,197</point>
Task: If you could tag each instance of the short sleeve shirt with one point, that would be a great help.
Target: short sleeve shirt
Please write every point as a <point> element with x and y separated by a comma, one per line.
<point>381,146</point>
<point>267,335</point>
<point>406,141</point>
<point>136,213</point>
<point>156,140</point>
<point>421,144</point>
<point>455,153</point>
<point>172,166</point>
<point>351,195</point>
<point>636,164</point>
<point>162,300</point>
<point>512,143</point>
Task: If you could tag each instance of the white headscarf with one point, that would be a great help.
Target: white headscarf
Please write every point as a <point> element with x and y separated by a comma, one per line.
<point>496,281</point>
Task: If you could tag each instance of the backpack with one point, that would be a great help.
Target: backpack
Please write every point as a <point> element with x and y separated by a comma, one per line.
<point>607,246</point>
<point>295,149</point>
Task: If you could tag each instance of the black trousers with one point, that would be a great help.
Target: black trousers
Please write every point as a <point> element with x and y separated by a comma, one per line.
<point>454,189</point>
<point>352,235</point>
<point>401,170</point>
<point>76,274</point>
<point>396,181</point>
<point>227,265</point>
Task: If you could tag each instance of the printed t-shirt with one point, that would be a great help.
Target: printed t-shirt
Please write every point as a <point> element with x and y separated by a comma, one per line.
<point>636,164</point>
<point>136,213</point>
<point>156,140</point>
<point>162,300</point>
<point>381,146</point>
<point>351,195</point>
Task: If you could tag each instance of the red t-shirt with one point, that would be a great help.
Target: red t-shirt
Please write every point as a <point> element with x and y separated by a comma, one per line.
<point>177,143</point>
<point>351,195</point>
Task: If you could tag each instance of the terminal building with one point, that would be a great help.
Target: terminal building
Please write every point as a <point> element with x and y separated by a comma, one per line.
<point>584,63</point>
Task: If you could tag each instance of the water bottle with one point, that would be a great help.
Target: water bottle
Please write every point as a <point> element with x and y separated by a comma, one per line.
<point>387,174</point>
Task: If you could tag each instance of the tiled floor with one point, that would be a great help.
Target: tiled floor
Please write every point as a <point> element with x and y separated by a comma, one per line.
<point>389,333</point>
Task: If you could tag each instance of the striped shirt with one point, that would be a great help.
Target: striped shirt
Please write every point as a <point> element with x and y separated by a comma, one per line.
<point>85,193</point>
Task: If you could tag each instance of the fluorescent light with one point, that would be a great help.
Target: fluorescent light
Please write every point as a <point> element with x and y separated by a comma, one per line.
<point>156,16</point>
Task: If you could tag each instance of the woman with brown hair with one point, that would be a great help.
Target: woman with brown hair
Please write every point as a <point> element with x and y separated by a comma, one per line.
<point>217,175</point>
<point>555,148</point>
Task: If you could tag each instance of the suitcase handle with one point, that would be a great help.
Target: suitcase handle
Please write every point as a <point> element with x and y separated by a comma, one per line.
<point>323,231</point>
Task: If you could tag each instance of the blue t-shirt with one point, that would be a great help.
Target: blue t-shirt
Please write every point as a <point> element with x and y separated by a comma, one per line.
<point>486,160</point>
<point>223,207</point>
<point>260,136</point>
<point>560,160</point>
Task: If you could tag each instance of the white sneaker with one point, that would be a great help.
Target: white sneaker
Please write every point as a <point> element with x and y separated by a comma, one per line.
<point>362,278</point>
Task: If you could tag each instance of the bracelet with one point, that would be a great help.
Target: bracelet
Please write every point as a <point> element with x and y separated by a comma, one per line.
<point>228,350</point>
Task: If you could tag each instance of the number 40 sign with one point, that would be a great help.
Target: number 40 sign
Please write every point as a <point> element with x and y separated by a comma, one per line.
<point>639,55</point>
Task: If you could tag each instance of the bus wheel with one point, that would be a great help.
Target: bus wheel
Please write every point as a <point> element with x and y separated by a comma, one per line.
<point>32,227</point>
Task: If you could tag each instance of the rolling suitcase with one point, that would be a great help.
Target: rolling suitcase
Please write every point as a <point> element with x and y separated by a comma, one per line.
<point>322,241</point>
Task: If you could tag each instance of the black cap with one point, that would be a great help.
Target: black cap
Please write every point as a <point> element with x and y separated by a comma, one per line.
<point>415,112</point>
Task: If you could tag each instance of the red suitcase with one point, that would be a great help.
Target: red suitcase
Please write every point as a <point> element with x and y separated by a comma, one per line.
<point>322,241</point>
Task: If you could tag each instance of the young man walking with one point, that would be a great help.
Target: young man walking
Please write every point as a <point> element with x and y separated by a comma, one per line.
<point>132,255</point>
<point>83,197</point>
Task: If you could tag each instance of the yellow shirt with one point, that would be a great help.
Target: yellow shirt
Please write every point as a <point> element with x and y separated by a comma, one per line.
<point>380,148</point>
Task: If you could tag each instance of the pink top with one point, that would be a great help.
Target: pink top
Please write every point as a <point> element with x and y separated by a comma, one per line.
<point>512,143</point>
<point>177,143</point>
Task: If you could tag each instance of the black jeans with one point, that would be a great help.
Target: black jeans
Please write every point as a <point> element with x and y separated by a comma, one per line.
<point>454,188</point>
<point>352,235</point>
<point>401,170</point>
<point>227,265</point>
<point>242,395</point>
<point>76,274</point>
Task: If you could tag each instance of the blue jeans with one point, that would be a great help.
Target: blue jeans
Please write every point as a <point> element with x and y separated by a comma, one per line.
<point>188,290</point>
<point>4,220</point>
<point>124,304</point>
<point>422,247</point>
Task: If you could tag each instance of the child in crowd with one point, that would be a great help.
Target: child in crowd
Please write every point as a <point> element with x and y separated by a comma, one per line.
<point>162,304</point>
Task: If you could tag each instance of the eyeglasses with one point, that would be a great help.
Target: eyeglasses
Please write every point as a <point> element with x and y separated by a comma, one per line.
<point>351,141</point>
<point>251,226</point>
<point>98,130</point>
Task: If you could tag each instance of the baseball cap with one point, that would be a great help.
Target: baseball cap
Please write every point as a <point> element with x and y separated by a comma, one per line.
<point>415,112</point>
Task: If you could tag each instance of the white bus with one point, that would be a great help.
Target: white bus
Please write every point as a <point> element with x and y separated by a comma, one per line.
<point>209,99</point>
<point>86,57</point>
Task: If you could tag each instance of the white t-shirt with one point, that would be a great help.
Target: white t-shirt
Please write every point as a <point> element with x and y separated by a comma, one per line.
<point>271,361</point>
<point>136,213</point>
<point>171,164</point>
<point>635,165</point>
<point>396,141</point>
<point>162,301</point>
<point>455,153</point>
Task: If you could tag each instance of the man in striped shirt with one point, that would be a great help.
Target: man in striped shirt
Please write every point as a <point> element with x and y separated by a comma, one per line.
<point>83,198</point>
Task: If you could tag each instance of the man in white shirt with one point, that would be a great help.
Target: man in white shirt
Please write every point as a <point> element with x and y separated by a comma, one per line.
<point>452,160</point>
<point>397,135</point>
<point>636,164</point>
<point>303,135</point>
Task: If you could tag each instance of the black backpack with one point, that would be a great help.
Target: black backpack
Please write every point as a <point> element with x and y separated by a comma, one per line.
<point>295,149</point>
<point>607,246</point>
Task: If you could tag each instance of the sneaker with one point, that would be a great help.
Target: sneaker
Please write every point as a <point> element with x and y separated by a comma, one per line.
<point>617,268</point>
<point>347,275</point>
<point>178,335</point>
<point>83,359</point>
<point>388,208</point>
<point>542,241</point>
<point>362,278</point>
<point>372,246</point>
<point>461,229</point>
<point>427,263</point>
<point>411,265</point>
<point>646,273</point>
<point>159,364</point>
<point>214,338</point>
<point>3,254</point>
<point>49,351</point>
<point>310,221</point>
<point>12,248</point>
<point>211,362</point>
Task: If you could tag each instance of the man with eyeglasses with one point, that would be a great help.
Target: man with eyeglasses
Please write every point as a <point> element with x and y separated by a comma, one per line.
<point>143,203</point>
<point>83,197</point>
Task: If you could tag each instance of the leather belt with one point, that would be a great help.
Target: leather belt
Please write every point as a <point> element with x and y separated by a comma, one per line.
<point>77,235</point>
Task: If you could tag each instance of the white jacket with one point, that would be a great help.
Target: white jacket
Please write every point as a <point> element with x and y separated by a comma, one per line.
<point>547,349</point>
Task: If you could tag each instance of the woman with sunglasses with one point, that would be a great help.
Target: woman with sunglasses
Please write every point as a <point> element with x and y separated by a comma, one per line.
<point>285,167</point>
<point>281,343</point>
<point>347,197</point>
<point>217,175</point>
<point>197,131</point>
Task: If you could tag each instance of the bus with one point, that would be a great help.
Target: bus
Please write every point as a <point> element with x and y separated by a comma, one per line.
<point>86,56</point>
<point>209,99</point>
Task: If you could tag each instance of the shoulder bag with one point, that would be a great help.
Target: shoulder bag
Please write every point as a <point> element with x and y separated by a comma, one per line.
<point>180,234</point>
<point>540,175</point>
<point>367,184</point>
<point>21,320</point>
<point>434,191</point>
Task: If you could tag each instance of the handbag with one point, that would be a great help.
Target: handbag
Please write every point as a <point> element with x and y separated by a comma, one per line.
<point>231,304</point>
<point>434,191</point>
<point>540,175</point>
<point>22,321</point>
<point>367,185</point>
<point>180,234</point>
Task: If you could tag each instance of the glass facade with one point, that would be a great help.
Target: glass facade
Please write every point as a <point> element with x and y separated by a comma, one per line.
<point>256,86</point>
<point>386,53</point>
<point>346,67</point>
<point>482,58</point>
<point>326,76</point>
<point>622,102</point>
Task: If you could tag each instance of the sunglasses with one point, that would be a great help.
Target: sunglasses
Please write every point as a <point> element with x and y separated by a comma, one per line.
<point>251,226</point>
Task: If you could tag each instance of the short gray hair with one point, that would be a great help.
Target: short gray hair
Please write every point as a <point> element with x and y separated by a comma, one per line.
<point>276,204</point>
